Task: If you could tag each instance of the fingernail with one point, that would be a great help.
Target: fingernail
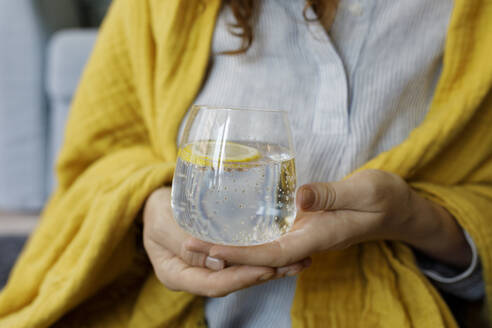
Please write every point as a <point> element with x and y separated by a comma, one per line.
<point>308,198</point>
<point>214,263</point>
<point>267,276</point>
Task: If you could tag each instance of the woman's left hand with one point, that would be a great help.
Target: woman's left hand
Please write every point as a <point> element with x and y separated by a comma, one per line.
<point>370,205</point>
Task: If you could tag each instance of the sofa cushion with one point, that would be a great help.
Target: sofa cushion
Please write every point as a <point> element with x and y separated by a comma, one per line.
<point>68,52</point>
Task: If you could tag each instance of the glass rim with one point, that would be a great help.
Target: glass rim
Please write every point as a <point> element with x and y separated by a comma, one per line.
<point>239,108</point>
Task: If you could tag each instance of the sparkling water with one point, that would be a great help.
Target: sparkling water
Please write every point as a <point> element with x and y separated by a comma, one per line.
<point>246,203</point>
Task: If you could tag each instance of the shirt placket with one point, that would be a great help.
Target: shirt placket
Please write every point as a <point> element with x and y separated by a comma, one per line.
<point>336,67</point>
<point>330,114</point>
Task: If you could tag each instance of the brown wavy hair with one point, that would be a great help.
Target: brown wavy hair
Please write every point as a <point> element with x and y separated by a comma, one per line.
<point>243,11</point>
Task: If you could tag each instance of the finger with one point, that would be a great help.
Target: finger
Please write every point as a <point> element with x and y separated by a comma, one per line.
<point>293,269</point>
<point>214,264</point>
<point>177,275</point>
<point>231,279</point>
<point>156,248</point>
<point>290,248</point>
<point>323,196</point>
<point>200,259</point>
<point>197,245</point>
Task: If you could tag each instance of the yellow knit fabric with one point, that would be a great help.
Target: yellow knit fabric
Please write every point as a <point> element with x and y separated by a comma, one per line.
<point>84,265</point>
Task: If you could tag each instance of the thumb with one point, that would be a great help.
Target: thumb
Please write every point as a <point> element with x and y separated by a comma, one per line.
<point>323,196</point>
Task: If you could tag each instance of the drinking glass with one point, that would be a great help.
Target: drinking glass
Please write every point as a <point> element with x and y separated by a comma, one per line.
<point>235,177</point>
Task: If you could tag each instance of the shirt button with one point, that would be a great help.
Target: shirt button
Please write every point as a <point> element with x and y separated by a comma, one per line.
<point>356,9</point>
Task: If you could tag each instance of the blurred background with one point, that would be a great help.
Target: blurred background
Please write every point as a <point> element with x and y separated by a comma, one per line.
<point>44,45</point>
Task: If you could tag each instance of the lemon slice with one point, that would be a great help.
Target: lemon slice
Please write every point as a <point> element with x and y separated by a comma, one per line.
<point>205,153</point>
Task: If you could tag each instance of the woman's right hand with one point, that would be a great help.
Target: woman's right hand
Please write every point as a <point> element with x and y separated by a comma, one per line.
<point>182,270</point>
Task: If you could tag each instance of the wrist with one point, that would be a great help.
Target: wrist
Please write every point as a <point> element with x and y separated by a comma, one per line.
<point>434,231</point>
<point>419,226</point>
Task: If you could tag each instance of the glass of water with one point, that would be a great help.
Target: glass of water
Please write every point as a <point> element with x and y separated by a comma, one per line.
<point>235,178</point>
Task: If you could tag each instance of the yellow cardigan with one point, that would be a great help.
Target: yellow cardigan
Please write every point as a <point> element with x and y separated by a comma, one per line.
<point>84,266</point>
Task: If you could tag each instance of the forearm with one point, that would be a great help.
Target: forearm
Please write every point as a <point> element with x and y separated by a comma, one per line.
<point>433,230</point>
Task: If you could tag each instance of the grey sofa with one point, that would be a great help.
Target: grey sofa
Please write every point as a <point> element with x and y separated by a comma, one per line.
<point>44,45</point>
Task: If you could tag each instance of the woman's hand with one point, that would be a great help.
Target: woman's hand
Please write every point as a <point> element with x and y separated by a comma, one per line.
<point>181,269</point>
<point>370,205</point>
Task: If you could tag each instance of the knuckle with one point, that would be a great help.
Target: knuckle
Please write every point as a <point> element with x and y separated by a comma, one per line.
<point>197,259</point>
<point>328,197</point>
<point>324,196</point>
<point>318,195</point>
<point>375,183</point>
<point>185,255</point>
<point>192,258</point>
